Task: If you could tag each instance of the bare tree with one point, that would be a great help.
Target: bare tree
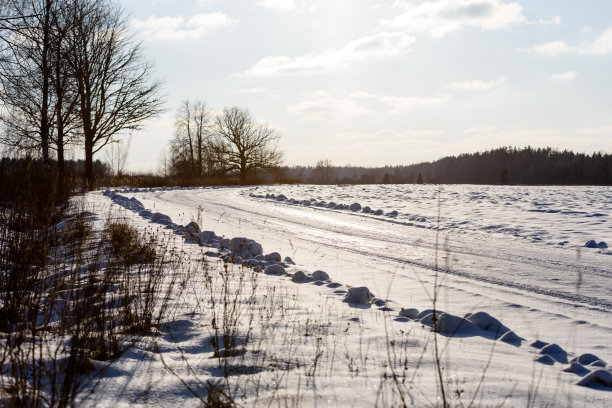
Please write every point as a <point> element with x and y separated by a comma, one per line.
<point>324,172</point>
<point>112,77</point>
<point>116,155</point>
<point>25,72</point>
<point>244,145</point>
<point>39,96</point>
<point>191,147</point>
<point>65,93</point>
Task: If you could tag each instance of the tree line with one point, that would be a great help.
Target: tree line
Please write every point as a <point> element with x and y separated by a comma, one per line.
<point>71,76</point>
<point>506,165</point>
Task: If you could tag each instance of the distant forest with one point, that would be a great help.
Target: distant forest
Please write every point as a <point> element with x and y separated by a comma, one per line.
<point>499,166</point>
<point>505,165</point>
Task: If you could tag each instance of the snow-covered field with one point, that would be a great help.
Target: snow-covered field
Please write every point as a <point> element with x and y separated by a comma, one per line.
<point>528,267</point>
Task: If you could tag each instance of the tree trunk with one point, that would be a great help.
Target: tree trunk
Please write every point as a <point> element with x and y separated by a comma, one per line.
<point>89,176</point>
<point>61,167</point>
<point>44,118</point>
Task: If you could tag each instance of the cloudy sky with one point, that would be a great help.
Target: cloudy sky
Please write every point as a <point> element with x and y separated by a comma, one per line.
<point>373,82</point>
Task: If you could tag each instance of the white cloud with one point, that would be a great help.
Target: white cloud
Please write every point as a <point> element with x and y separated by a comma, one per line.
<point>564,76</point>
<point>477,84</point>
<point>549,49</point>
<point>380,45</point>
<point>255,90</point>
<point>400,104</point>
<point>602,45</point>
<point>178,28</point>
<point>389,135</point>
<point>363,95</point>
<point>317,103</point>
<point>438,18</point>
<point>278,5</point>
<point>327,109</point>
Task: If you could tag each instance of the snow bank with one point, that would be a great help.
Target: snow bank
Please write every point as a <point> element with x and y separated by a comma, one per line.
<point>354,207</point>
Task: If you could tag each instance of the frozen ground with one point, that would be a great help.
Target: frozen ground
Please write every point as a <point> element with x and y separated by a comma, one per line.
<point>515,253</point>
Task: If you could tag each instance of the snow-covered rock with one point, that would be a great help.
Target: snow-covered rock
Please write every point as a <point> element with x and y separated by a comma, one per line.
<point>512,338</point>
<point>160,218</point>
<point>487,322</point>
<point>247,248</point>
<point>355,207</point>
<point>224,244</point>
<point>145,214</point>
<point>273,256</point>
<point>556,352</point>
<point>299,277</point>
<point>409,313</point>
<point>602,377</point>
<point>359,295</point>
<point>320,275</point>
<point>192,230</point>
<point>275,269</point>
<point>577,369</point>
<point>585,359</point>
<point>454,325</point>
<point>207,237</point>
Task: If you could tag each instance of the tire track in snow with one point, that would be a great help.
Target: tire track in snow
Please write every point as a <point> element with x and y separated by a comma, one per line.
<point>377,235</point>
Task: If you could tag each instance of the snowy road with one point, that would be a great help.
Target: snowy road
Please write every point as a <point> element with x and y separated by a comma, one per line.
<point>557,294</point>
